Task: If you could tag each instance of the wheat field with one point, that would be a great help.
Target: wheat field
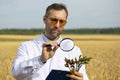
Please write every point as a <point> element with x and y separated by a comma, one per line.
<point>104,50</point>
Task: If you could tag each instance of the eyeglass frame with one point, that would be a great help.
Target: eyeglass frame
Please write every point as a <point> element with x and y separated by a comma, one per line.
<point>55,20</point>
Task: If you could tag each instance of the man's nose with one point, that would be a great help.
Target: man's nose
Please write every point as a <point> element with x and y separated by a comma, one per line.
<point>57,24</point>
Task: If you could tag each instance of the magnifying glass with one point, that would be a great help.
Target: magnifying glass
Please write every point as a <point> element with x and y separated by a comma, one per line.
<point>67,44</point>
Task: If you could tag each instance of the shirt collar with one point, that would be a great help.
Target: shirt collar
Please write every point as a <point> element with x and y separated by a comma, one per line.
<point>45,39</point>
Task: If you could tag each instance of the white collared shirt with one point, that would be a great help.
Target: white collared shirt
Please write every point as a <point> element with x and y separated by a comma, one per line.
<point>28,66</point>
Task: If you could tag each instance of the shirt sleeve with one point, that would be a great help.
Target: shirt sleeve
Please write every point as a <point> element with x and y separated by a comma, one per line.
<point>23,66</point>
<point>82,69</point>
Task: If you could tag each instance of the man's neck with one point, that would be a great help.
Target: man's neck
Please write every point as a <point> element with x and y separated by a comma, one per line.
<point>51,39</point>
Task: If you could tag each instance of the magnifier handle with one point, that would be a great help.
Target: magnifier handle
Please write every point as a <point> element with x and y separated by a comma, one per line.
<point>59,45</point>
<point>48,45</point>
<point>51,45</point>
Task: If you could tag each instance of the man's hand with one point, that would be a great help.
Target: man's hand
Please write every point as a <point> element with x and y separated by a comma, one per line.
<point>48,50</point>
<point>75,75</point>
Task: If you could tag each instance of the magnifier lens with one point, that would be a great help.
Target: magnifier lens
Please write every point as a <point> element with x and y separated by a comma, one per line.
<point>67,44</point>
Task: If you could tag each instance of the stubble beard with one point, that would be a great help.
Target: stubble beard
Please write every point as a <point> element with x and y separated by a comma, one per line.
<point>51,35</point>
<point>54,36</point>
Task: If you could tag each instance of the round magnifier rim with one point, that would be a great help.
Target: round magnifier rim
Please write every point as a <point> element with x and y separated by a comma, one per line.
<point>68,39</point>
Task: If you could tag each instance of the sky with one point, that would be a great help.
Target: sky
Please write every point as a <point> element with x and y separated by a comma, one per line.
<point>27,14</point>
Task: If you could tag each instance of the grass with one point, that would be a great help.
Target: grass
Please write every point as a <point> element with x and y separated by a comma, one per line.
<point>104,50</point>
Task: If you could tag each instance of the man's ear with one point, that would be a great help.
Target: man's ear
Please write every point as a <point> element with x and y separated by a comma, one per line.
<point>44,19</point>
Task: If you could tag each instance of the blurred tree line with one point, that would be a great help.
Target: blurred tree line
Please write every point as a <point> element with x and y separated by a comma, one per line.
<point>66,31</point>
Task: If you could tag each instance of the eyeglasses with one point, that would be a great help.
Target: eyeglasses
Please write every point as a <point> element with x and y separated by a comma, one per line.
<point>53,21</point>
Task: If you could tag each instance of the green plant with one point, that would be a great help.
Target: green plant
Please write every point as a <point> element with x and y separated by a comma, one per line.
<point>75,64</point>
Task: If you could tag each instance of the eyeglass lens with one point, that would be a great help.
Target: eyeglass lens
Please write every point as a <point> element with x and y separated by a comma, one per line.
<point>54,21</point>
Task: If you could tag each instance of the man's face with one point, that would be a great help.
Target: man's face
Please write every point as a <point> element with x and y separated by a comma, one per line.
<point>54,23</point>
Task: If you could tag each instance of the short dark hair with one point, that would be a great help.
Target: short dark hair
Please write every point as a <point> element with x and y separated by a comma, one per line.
<point>56,6</point>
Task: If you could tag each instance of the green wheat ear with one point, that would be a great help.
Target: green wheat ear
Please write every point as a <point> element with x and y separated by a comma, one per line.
<point>77,63</point>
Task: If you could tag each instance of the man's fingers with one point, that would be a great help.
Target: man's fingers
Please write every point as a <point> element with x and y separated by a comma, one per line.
<point>49,48</point>
<point>74,77</point>
<point>78,74</point>
<point>50,44</point>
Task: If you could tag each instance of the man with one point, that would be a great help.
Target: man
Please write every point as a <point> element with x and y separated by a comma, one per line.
<point>37,58</point>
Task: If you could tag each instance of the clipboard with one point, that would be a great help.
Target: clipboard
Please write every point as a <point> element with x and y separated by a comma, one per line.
<point>58,75</point>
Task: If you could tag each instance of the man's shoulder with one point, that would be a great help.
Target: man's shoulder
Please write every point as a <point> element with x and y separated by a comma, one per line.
<point>35,41</point>
<point>31,41</point>
<point>27,43</point>
<point>76,47</point>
